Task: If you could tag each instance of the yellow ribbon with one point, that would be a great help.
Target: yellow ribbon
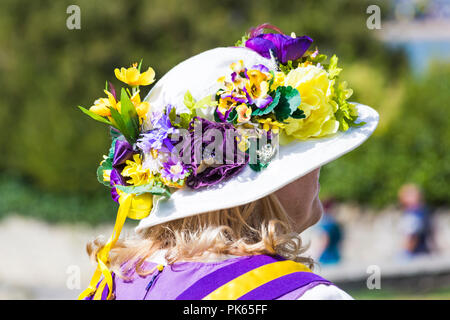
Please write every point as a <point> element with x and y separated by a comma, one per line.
<point>251,280</point>
<point>131,206</point>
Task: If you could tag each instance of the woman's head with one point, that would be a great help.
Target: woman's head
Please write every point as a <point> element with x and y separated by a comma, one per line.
<point>270,225</point>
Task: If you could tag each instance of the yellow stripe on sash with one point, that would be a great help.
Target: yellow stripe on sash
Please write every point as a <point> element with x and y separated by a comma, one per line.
<point>253,279</point>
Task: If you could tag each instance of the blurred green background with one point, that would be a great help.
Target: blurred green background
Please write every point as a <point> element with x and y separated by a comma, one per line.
<point>50,150</point>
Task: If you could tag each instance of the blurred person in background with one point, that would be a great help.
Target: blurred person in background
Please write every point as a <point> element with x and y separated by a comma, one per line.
<point>331,234</point>
<point>415,222</point>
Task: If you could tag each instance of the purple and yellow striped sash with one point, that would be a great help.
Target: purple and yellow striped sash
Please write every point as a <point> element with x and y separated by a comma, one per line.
<point>258,277</point>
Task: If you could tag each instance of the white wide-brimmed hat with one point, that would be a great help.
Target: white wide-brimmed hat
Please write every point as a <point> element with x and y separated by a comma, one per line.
<point>199,75</point>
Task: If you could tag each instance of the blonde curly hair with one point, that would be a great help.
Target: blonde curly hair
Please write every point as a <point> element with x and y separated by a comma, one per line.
<point>259,227</point>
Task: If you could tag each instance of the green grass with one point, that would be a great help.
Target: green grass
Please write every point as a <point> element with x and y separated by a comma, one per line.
<point>392,294</point>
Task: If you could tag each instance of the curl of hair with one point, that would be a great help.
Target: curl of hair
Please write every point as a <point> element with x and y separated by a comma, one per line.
<point>259,227</point>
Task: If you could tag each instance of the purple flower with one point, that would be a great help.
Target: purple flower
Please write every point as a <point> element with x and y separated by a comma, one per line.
<point>115,179</point>
<point>158,137</point>
<point>174,170</point>
<point>284,47</point>
<point>122,152</point>
<point>216,168</point>
<point>260,67</point>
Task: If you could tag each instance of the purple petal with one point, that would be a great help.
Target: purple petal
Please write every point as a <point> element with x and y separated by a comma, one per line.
<point>122,152</point>
<point>115,178</point>
<point>263,102</point>
<point>294,48</point>
<point>260,67</point>
<point>261,46</point>
<point>285,47</point>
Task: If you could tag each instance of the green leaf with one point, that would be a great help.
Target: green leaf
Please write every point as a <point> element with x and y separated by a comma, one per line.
<point>189,101</point>
<point>232,116</point>
<point>95,116</point>
<point>155,189</point>
<point>289,102</point>
<point>192,104</point>
<point>129,116</point>
<point>298,114</point>
<point>106,164</point>
<point>118,122</point>
<point>333,69</point>
<point>242,41</point>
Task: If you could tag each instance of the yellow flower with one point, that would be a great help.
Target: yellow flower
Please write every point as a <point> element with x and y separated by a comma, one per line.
<point>257,85</point>
<point>226,103</point>
<point>269,124</point>
<point>102,106</point>
<point>278,80</point>
<point>106,175</point>
<point>137,174</point>
<point>141,106</point>
<point>316,90</point>
<point>133,77</point>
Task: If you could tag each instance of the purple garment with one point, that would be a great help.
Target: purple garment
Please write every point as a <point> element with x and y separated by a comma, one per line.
<point>176,278</point>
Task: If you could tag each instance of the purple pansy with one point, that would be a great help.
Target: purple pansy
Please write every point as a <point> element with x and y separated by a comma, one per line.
<point>261,101</point>
<point>284,47</point>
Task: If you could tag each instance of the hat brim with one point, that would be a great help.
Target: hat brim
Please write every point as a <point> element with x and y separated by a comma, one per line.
<point>294,161</point>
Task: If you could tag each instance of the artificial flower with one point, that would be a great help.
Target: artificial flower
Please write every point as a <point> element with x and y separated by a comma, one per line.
<point>102,105</point>
<point>138,175</point>
<point>141,107</point>
<point>315,88</point>
<point>133,77</point>
<point>271,125</point>
<point>222,167</point>
<point>244,112</point>
<point>159,136</point>
<point>278,80</point>
<point>284,47</point>
<point>174,170</point>
<point>257,87</point>
<point>107,175</point>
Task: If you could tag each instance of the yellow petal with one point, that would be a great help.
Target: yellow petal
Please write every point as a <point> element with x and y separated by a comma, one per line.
<point>100,109</point>
<point>120,74</point>
<point>148,77</point>
<point>132,76</point>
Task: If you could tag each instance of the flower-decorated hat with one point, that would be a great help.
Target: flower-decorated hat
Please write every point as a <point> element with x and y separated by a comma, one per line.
<point>223,128</point>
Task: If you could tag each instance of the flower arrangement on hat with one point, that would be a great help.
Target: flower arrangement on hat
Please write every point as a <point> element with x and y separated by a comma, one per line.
<point>303,99</point>
<point>154,153</point>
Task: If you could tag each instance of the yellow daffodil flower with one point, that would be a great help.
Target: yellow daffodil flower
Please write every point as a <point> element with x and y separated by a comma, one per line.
<point>137,174</point>
<point>133,77</point>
